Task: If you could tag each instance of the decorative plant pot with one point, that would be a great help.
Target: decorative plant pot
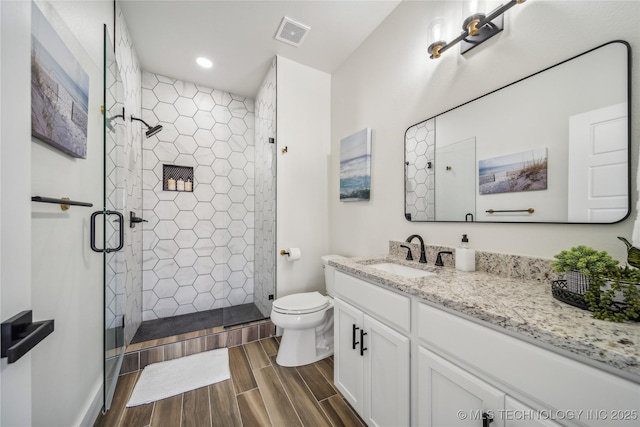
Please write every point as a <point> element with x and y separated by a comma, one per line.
<point>618,296</point>
<point>577,282</point>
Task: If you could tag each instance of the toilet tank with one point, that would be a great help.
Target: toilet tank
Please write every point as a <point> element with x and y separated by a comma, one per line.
<point>329,272</point>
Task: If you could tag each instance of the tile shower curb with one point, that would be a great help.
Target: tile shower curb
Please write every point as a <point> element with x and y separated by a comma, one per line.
<point>139,355</point>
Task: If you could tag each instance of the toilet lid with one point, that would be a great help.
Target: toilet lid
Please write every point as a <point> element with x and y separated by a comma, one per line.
<point>307,302</point>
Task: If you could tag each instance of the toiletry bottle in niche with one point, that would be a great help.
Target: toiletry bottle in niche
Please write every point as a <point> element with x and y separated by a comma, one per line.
<point>465,256</point>
<point>188,185</point>
<point>180,184</point>
<point>171,184</point>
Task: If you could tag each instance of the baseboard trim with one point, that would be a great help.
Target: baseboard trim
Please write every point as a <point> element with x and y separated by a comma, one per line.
<point>95,407</point>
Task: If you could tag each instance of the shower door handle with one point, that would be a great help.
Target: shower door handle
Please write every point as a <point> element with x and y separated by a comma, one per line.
<point>93,231</point>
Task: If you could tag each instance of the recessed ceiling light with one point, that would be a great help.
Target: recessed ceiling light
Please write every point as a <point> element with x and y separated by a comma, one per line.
<point>204,62</point>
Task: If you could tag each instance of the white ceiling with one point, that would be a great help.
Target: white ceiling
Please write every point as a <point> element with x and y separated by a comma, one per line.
<point>238,36</point>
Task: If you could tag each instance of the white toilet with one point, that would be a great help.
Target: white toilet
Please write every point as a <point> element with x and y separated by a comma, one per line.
<point>307,323</point>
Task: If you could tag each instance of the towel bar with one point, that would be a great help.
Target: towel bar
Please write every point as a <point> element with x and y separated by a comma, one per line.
<point>63,202</point>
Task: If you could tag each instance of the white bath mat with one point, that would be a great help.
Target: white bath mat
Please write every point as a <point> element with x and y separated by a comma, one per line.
<point>165,379</point>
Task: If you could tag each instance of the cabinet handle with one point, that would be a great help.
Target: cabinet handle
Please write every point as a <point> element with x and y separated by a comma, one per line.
<point>486,419</point>
<point>354,343</point>
<point>362,347</point>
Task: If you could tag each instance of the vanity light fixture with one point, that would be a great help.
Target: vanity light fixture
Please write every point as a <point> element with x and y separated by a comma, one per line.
<point>204,62</point>
<point>477,28</point>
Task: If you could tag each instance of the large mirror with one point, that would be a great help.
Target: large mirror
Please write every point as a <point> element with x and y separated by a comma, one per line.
<point>552,147</point>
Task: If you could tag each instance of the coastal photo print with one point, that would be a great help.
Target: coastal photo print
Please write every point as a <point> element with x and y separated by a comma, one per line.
<point>523,171</point>
<point>355,166</point>
<point>59,90</point>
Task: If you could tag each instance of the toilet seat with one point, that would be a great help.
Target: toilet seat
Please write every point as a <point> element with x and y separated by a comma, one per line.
<point>303,303</point>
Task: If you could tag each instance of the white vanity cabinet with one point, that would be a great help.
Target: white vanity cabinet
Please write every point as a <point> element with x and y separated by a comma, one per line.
<point>371,359</point>
<point>465,366</point>
<point>400,360</point>
<point>451,396</point>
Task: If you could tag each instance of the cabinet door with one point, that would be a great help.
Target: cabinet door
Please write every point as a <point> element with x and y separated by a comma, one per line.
<point>386,377</point>
<point>452,397</point>
<point>348,365</point>
<point>517,414</point>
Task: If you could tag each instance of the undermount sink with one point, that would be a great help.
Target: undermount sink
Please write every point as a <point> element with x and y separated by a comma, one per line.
<point>401,270</point>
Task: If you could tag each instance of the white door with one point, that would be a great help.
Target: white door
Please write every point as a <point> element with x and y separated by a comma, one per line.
<point>15,204</point>
<point>517,414</point>
<point>386,376</point>
<point>452,397</point>
<point>598,171</point>
<point>349,364</point>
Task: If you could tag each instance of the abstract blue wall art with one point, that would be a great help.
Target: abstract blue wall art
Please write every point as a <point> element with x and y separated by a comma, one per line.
<point>355,166</point>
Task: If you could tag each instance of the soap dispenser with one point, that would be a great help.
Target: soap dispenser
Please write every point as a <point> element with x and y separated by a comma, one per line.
<point>465,256</point>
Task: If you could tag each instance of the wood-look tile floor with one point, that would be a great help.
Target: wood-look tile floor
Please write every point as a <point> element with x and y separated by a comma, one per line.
<point>259,393</point>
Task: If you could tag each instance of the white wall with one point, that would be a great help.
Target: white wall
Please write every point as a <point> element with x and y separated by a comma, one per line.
<point>303,126</point>
<point>15,206</point>
<point>56,382</point>
<point>390,83</point>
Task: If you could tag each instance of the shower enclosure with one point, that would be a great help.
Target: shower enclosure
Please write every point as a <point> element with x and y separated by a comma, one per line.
<point>207,250</point>
<point>265,201</point>
<point>112,223</point>
<point>211,249</point>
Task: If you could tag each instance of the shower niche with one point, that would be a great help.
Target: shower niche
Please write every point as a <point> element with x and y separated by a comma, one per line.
<point>172,174</point>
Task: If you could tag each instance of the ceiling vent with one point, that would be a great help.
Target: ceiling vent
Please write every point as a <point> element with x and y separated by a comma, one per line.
<point>292,32</point>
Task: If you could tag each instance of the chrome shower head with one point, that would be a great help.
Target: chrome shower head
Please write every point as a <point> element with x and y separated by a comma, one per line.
<point>150,130</point>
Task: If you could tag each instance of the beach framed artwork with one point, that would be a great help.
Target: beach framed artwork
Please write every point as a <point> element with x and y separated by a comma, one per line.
<point>59,90</point>
<point>522,171</point>
<point>355,166</point>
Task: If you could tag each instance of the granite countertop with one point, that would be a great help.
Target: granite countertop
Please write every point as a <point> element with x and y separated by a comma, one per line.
<point>523,307</point>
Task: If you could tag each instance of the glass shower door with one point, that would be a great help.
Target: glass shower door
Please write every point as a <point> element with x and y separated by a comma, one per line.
<point>112,224</point>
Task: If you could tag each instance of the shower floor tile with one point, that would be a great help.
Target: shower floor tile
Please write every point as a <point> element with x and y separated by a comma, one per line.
<point>185,323</point>
<point>240,314</point>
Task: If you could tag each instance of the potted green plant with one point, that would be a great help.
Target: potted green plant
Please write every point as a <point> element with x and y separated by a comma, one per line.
<point>615,295</point>
<point>581,263</point>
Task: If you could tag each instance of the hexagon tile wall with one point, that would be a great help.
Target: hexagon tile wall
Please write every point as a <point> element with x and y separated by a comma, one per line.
<point>128,184</point>
<point>198,247</point>
<point>420,184</point>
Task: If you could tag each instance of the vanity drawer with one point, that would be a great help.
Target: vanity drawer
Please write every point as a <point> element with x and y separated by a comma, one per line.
<point>387,306</point>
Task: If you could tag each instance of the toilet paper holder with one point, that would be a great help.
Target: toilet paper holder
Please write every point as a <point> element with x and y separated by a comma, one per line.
<point>292,254</point>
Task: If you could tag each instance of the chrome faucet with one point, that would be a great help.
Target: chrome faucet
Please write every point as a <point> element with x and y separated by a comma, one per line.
<point>423,255</point>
